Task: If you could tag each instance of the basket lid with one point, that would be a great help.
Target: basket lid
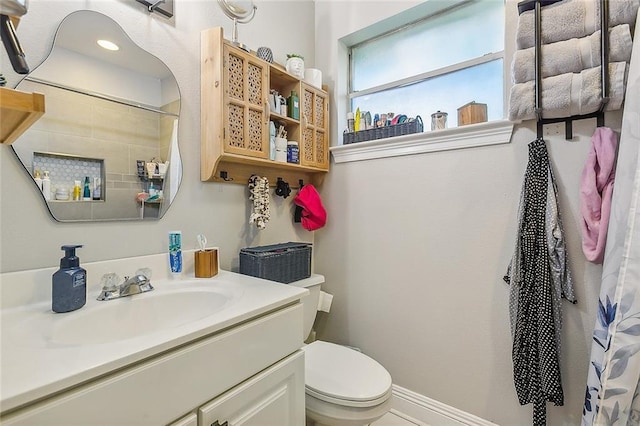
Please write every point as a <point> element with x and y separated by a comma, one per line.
<point>275,247</point>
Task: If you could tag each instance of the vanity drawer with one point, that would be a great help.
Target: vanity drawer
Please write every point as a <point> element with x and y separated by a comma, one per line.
<point>165,387</point>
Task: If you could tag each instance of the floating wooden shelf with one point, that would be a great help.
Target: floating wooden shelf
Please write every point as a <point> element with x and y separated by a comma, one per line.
<point>19,110</point>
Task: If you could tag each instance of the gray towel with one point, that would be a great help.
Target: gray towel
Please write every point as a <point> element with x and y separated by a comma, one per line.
<point>573,55</point>
<point>568,94</point>
<point>569,19</point>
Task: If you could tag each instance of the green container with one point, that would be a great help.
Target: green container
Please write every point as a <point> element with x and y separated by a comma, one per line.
<point>293,106</point>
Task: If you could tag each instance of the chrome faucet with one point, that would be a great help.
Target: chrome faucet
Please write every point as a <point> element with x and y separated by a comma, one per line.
<point>139,283</point>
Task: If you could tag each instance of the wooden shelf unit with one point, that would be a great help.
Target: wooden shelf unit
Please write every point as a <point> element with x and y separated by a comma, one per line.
<point>235,87</point>
<point>19,110</point>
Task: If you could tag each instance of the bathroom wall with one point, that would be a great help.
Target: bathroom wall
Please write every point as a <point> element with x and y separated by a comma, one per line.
<point>32,239</point>
<point>416,248</point>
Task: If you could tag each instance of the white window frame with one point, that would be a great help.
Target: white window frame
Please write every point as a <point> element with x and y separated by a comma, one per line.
<point>481,134</point>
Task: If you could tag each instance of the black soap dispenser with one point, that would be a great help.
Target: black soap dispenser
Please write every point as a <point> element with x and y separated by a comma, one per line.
<point>69,283</point>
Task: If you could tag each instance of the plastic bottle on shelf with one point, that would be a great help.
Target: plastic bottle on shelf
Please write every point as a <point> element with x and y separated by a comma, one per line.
<point>292,152</point>
<point>46,186</point>
<point>97,188</point>
<point>76,190</point>
<point>38,179</point>
<point>294,105</point>
<point>86,195</point>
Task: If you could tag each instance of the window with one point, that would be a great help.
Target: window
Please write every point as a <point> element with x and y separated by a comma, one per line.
<point>438,63</point>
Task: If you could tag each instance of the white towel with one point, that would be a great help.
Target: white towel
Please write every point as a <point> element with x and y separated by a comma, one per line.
<point>572,55</point>
<point>569,19</point>
<point>568,94</point>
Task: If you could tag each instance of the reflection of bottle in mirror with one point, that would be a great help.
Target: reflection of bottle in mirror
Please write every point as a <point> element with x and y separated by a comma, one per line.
<point>38,179</point>
<point>46,186</point>
<point>76,190</point>
<point>97,190</point>
<point>86,195</point>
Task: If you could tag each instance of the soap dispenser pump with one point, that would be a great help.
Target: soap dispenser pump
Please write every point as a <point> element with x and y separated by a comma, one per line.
<point>69,290</point>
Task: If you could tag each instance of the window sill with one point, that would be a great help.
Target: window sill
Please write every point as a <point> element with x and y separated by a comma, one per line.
<point>474,135</point>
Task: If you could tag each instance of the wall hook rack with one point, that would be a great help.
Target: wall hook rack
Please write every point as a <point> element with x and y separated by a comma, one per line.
<point>225,176</point>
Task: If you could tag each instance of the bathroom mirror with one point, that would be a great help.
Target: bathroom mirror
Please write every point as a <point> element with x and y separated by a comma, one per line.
<point>111,125</point>
<point>241,11</point>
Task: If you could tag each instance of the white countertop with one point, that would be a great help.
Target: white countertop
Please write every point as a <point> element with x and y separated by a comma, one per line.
<point>33,365</point>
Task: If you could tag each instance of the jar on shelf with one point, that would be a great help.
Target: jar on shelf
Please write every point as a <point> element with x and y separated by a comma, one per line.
<point>293,152</point>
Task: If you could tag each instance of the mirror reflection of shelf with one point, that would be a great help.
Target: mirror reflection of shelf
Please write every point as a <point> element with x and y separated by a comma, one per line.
<point>65,169</point>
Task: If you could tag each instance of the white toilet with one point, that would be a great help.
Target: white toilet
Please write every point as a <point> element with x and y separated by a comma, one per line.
<point>343,387</point>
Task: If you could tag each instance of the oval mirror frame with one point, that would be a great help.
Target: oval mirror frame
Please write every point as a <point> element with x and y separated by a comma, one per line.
<point>110,124</point>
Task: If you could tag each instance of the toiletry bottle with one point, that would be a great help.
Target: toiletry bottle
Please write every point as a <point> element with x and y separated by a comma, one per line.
<point>350,122</point>
<point>38,179</point>
<point>292,152</point>
<point>76,190</point>
<point>97,188</point>
<point>46,186</point>
<point>86,195</point>
<point>294,105</point>
<point>175,251</point>
<point>69,290</point>
<point>272,140</point>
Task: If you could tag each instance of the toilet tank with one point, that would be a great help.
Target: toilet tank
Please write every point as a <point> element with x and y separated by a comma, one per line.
<point>310,301</point>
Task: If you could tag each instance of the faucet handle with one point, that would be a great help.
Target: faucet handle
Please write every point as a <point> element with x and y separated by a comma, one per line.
<point>146,272</point>
<point>110,281</point>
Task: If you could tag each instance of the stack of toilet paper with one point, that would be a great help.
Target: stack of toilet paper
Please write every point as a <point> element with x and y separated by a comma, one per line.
<point>313,77</point>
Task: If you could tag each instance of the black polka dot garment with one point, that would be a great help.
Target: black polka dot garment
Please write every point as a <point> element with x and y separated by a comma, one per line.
<point>536,366</point>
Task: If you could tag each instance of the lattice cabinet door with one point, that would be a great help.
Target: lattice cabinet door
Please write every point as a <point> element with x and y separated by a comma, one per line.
<point>246,89</point>
<point>314,139</point>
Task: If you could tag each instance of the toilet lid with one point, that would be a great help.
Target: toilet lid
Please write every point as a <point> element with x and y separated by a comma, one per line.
<point>344,376</point>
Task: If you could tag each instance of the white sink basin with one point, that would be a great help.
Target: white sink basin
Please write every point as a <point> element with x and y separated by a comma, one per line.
<point>136,316</point>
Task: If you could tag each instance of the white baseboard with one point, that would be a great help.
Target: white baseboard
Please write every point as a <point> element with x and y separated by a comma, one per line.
<point>430,411</point>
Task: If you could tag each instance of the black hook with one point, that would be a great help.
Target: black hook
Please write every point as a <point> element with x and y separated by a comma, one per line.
<point>224,176</point>
<point>282,188</point>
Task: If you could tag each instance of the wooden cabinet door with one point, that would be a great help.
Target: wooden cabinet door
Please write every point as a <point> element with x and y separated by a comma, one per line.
<point>246,130</point>
<point>314,138</point>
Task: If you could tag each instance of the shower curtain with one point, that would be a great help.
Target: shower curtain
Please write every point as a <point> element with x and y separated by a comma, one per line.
<point>613,383</point>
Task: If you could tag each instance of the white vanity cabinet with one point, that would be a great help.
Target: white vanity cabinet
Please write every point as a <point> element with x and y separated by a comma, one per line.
<point>250,373</point>
<point>273,397</point>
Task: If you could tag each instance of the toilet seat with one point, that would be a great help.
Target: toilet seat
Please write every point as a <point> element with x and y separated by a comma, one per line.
<point>343,376</point>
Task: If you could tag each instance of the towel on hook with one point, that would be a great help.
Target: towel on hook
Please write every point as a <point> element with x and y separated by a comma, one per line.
<point>314,215</point>
<point>569,19</point>
<point>596,189</point>
<point>572,56</point>
<point>568,94</point>
<point>538,276</point>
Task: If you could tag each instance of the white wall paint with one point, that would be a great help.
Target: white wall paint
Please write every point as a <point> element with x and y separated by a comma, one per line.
<point>31,239</point>
<point>416,247</point>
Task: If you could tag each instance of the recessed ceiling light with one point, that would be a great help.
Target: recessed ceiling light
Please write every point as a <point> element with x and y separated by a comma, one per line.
<point>106,44</point>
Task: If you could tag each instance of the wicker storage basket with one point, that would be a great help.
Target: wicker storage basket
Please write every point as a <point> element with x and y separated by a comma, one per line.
<point>284,263</point>
<point>408,127</point>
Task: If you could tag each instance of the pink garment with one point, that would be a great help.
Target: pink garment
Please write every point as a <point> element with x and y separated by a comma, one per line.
<point>596,188</point>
